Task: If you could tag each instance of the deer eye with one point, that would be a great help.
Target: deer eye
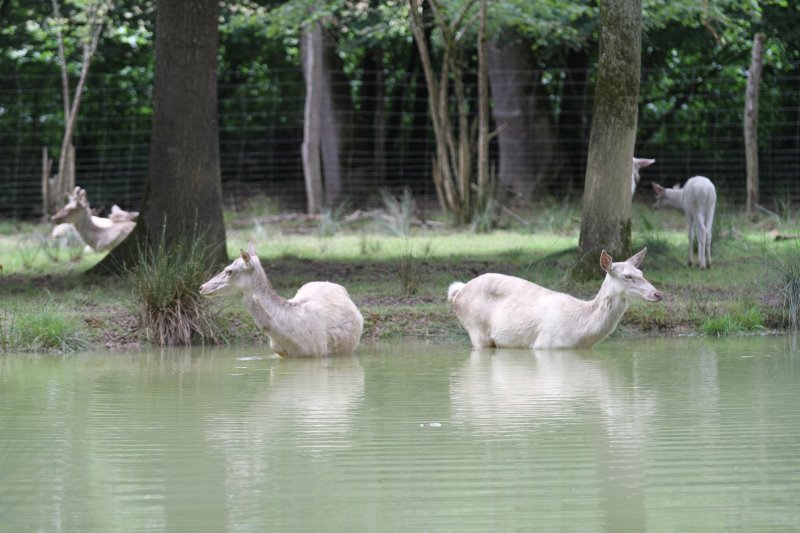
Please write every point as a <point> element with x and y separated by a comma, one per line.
<point>228,273</point>
<point>628,277</point>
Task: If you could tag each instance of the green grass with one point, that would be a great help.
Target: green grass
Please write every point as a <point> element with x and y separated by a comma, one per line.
<point>43,329</point>
<point>743,321</point>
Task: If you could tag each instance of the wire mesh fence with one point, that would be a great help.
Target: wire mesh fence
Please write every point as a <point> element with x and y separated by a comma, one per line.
<point>690,121</point>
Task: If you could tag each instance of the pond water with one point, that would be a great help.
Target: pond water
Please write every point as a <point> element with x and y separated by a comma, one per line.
<point>665,434</point>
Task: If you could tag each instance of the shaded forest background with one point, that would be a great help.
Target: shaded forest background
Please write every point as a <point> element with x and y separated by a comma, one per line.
<point>695,56</point>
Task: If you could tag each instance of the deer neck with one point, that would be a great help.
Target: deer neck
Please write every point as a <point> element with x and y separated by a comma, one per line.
<point>87,229</point>
<point>265,305</point>
<point>604,312</point>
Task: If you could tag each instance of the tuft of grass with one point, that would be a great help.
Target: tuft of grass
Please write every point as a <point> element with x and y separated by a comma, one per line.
<point>49,329</point>
<point>787,264</point>
<point>330,220</point>
<point>166,286</point>
<point>746,320</point>
<point>409,266</point>
<point>399,212</point>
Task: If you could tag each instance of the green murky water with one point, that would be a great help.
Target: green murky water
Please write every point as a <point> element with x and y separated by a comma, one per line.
<point>638,435</point>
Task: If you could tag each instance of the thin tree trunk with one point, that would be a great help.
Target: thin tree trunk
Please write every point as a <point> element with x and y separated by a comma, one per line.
<point>483,113</point>
<point>605,222</point>
<point>751,122</point>
<point>312,68</point>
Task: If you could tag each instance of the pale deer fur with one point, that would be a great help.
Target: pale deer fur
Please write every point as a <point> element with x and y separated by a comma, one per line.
<point>95,231</point>
<point>698,199</point>
<point>507,312</point>
<point>638,163</point>
<point>320,320</point>
<point>120,215</point>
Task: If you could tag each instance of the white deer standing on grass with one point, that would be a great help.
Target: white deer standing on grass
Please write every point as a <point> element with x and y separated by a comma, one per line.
<point>320,320</point>
<point>507,312</point>
<point>698,199</point>
<point>638,163</point>
<point>99,233</point>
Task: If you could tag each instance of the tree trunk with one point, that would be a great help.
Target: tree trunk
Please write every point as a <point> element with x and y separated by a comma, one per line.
<point>605,223</point>
<point>183,194</point>
<point>336,115</point>
<point>483,114</point>
<point>526,137</point>
<point>311,48</point>
<point>751,123</point>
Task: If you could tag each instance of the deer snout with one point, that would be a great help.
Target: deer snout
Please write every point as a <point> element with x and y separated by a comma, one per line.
<point>656,296</point>
<point>205,290</point>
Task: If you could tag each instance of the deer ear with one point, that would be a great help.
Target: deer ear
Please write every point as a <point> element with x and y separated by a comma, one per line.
<point>637,259</point>
<point>245,257</point>
<point>605,261</point>
<point>251,249</point>
<point>641,162</point>
<point>658,188</point>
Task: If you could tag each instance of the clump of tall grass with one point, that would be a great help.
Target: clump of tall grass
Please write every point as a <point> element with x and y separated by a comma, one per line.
<point>787,265</point>
<point>48,329</point>
<point>330,220</point>
<point>399,212</point>
<point>166,283</point>
<point>746,320</point>
<point>409,266</point>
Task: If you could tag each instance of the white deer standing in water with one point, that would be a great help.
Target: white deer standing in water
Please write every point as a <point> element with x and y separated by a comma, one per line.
<point>320,320</point>
<point>698,199</point>
<point>99,233</point>
<point>507,312</point>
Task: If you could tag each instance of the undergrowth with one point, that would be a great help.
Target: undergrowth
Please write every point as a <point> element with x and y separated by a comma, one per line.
<point>49,329</point>
<point>166,286</point>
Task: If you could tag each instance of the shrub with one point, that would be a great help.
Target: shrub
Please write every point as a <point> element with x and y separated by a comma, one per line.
<point>166,285</point>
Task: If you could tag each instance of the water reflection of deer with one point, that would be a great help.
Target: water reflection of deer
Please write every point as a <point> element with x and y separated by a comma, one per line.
<point>303,410</point>
<point>571,407</point>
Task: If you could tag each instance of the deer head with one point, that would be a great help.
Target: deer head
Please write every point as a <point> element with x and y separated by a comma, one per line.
<point>239,277</point>
<point>627,279</point>
<point>77,205</point>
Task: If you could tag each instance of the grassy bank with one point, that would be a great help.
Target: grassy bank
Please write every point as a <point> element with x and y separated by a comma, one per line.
<point>399,281</point>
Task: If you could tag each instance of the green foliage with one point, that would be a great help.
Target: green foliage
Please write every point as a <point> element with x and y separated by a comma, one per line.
<point>46,329</point>
<point>741,321</point>
<point>166,287</point>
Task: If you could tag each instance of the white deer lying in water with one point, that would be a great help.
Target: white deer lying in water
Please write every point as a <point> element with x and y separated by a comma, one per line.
<point>508,312</point>
<point>99,233</point>
<point>698,199</point>
<point>320,320</point>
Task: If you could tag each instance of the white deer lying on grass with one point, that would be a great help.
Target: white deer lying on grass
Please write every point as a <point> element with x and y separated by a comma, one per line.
<point>638,163</point>
<point>66,235</point>
<point>507,312</point>
<point>99,233</point>
<point>320,320</point>
<point>698,199</point>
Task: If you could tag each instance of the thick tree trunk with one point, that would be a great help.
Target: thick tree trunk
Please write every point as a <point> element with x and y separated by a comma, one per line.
<point>605,223</point>
<point>526,137</point>
<point>751,122</point>
<point>183,194</point>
